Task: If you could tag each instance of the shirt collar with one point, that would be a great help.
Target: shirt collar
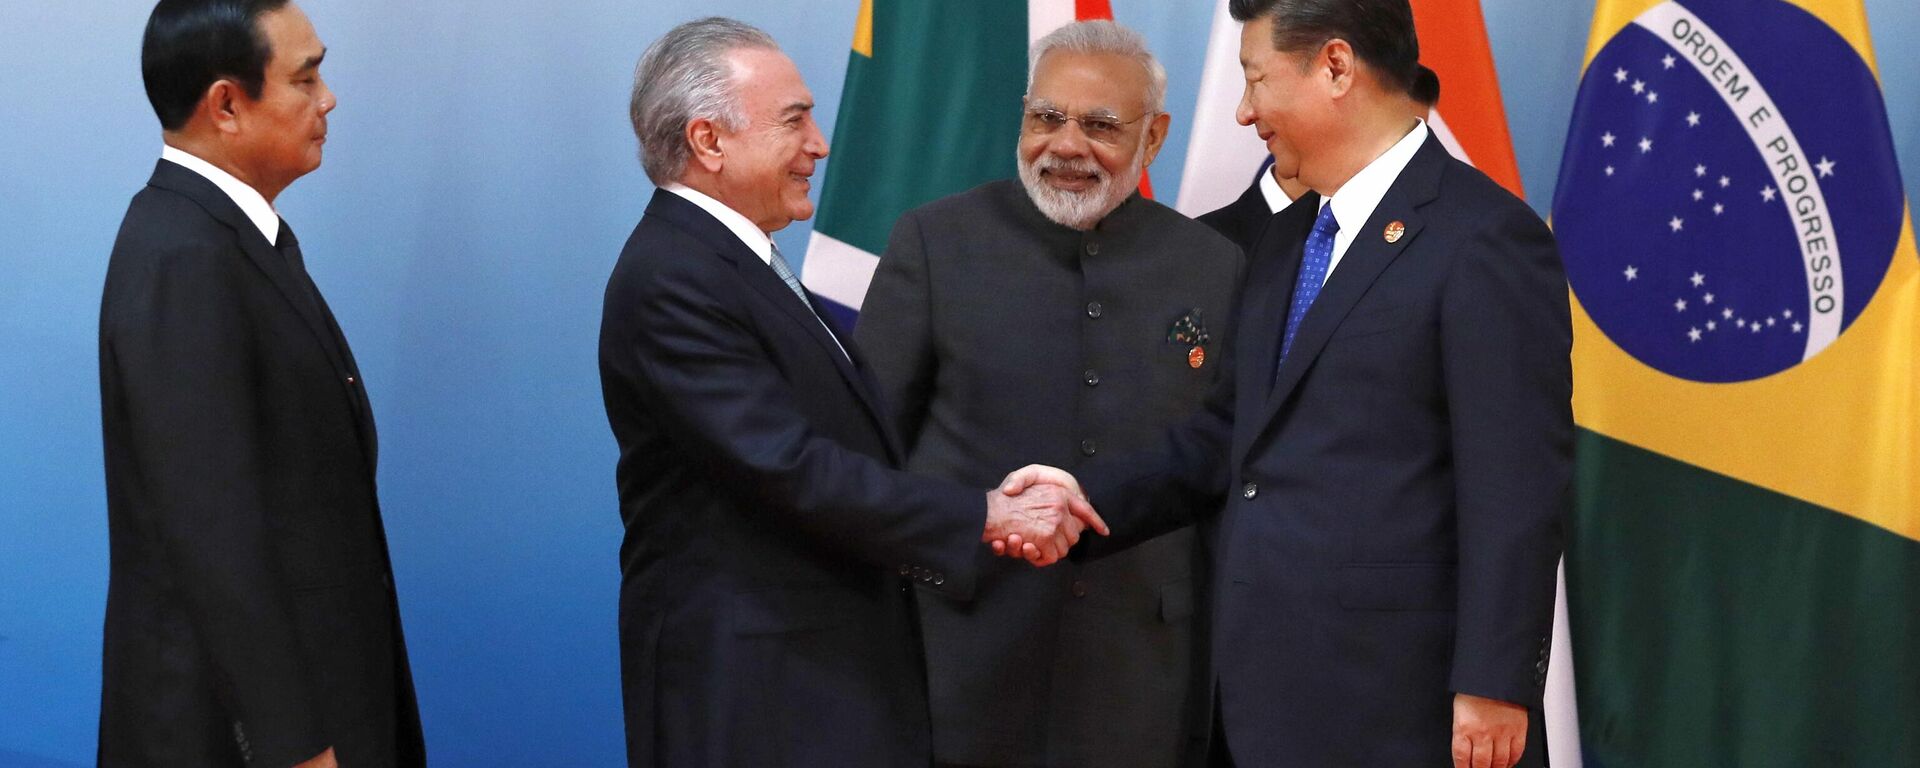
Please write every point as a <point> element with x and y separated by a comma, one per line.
<point>251,202</point>
<point>1277,199</point>
<point>755,240</point>
<point>1353,204</point>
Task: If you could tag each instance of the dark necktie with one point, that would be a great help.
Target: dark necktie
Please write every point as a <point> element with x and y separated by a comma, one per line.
<point>1313,274</point>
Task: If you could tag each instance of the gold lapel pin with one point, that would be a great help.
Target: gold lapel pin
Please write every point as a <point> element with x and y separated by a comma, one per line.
<point>1394,230</point>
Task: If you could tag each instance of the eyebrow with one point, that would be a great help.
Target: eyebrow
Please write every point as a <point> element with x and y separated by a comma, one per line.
<point>796,108</point>
<point>313,62</point>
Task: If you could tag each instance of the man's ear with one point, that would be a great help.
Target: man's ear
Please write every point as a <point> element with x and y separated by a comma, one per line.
<point>1155,137</point>
<point>222,104</point>
<point>704,137</point>
<point>1341,66</point>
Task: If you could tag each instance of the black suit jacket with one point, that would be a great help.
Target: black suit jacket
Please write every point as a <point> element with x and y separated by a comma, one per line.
<point>1393,500</point>
<point>983,331</point>
<point>765,612</point>
<point>251,616</point>
<point>1245,218</point>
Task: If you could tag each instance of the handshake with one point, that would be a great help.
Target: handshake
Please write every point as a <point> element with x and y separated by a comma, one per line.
<point>1037,514</point>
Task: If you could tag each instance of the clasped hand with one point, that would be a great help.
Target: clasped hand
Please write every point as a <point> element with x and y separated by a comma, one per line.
<point>1038,514</point>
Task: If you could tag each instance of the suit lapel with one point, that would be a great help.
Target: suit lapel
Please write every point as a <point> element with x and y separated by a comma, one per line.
<point>264,256</point>
<point>1365,259</point>
<point>760,276</point>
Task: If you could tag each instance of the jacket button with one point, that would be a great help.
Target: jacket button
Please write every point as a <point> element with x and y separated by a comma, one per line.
<point>1079,589</point>
<point>352,380</point>
<point>1093,249</point>
<point>1093,379</point>
<point>1249,491</point>
<point>1541,667</point>
<point>1094,309</point>
<point>906,570</point>
<point>1089,447</point>
<point>939,579</point>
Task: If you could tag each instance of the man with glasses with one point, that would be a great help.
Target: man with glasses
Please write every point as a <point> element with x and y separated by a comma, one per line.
<point>1062,318</point>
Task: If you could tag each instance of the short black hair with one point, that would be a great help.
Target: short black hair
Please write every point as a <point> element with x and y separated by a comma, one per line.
<point>190,44</point>
<point>1426,87</point>
<point>1380,31</point>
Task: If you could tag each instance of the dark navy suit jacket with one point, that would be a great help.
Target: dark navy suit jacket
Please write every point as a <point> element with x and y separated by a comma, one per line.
<point>766,617</point>
<point>1391,503</point>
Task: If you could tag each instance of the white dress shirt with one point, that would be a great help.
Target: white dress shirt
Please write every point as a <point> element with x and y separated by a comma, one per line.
<point>251,202</point>
<point>1277,199</point>
<point>1353,204</point>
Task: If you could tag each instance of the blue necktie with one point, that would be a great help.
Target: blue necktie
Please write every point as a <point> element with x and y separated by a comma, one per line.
<point>1313,274</point>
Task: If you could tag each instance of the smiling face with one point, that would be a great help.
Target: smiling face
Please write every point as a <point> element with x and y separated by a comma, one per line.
<point>770,158</point>
<point>278,137</point>
<point>1077,173</point>
<point>1286,99</point>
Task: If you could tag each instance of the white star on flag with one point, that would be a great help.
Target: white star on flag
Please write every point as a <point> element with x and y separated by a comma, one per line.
<point>1699,170</point>
<point>1679,305</point>
<point>1719,209</point>
<point>1786,313</point>
<point>1646,145</point>
<point>1707,298</point>
<point>1797,327</point>
<point>1609,170</point>
<point>1639,87</point>
<point>1767,193</point>
<point>1754,327</point>
<point>1653,96</point>
<point>1693,334</point>
<point>1620,75</point>
<point>1698,279</point>
<point>1727,314</point>
<point>1712,326</point>
<point>1825,166</point>
<point>1667,62</point>
<point>1697,194</point>
<point>1676,224</point>
<point>1633,273</point>
<point>1693,119</point>
<point>1724,181</point>
<point>1606,139</point>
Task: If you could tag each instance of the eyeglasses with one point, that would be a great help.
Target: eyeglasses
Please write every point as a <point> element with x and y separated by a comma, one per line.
<point>1103,128</point>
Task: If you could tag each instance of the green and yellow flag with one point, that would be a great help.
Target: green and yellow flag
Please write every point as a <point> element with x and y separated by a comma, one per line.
<point>1744,571</point>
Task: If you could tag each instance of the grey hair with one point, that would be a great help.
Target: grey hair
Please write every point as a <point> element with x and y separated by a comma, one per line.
<point>1104,37</point>
<point>685,76</point>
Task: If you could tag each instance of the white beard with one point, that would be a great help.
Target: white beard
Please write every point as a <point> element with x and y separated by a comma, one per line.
<point>1079,210</point>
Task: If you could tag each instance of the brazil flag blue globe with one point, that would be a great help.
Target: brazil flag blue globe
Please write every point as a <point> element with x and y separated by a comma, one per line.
<point>1728,202</point>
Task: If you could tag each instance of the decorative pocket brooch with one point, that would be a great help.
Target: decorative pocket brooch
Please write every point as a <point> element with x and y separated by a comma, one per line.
<point>1191,329</point>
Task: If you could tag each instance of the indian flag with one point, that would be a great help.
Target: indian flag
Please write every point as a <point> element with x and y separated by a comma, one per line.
<point>1744,569</point>
<point>931,108</point>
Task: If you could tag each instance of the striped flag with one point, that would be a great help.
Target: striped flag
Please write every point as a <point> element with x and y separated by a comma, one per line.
<point>931,108</point>
<point>1744,569</point>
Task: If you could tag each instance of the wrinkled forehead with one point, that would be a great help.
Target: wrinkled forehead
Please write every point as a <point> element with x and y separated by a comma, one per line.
<point>1088,83</point>
<point>767,82</point>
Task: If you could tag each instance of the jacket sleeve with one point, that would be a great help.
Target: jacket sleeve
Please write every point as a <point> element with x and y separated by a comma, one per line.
<point>1507,371</point>
<point>896,330</point>
<point>703,369</point>
<point>183,350</point>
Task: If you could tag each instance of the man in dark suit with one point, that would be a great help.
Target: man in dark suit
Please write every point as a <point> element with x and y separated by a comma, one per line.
<point>1394,450</point>
<point>766,609</point>
<point>1059,319</point>
<point>251,617</point>
<point>1243,219</point>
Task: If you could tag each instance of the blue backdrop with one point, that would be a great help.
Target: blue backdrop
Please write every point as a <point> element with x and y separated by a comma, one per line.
<point>478,184</point>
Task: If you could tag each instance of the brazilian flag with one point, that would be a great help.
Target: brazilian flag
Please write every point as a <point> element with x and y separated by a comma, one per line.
<point>931,108</point>
<point>1744,571</point>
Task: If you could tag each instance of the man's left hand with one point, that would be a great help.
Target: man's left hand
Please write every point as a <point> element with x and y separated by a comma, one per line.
<point>1487,733</point>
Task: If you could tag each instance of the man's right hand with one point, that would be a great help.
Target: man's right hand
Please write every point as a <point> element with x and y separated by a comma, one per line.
<point>324,760</point>
<point>1038,514</point>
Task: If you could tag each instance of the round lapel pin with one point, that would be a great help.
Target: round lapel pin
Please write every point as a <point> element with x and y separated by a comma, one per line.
<point>1394,230</point>
<point>1196,357</point>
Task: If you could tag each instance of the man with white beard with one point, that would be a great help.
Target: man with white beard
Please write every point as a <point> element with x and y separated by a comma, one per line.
<point>1061,319</point>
